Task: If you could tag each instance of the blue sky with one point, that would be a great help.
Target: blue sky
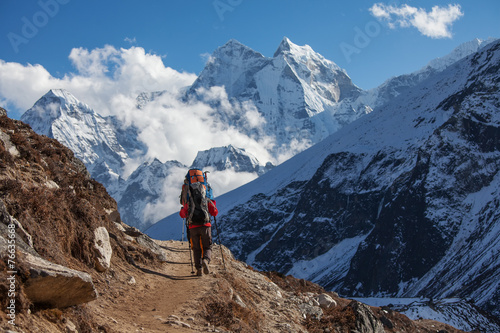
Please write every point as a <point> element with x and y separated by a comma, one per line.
<point>181,33</point>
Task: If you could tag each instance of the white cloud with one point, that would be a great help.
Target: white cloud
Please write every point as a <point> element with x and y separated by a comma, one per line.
<point>102,76</point>
<point>177,130</point>
<point>130,40</point>
<point>435,24</point>
<point>109,79</point>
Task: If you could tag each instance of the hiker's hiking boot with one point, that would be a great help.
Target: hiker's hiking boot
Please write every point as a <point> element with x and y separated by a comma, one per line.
<point>206,270</point>
<point>198,272</point>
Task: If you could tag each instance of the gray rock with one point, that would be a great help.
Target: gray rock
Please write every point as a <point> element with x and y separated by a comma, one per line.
<point>55,285</point>
<point>326,301</point>
<point>310,310</point>
<point>147,242</point>
<point>366,322</point>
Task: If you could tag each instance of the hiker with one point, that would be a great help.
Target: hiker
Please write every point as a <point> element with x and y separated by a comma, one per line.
<point>197,208</point>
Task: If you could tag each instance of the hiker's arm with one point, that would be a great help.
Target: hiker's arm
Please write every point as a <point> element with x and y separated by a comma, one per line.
<point>212,209</point>
<point>183,212</point>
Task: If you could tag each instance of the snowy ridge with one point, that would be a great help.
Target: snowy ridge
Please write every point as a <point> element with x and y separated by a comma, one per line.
<point>453,311</point>
<point>399,85</point>
<point>458,53</point>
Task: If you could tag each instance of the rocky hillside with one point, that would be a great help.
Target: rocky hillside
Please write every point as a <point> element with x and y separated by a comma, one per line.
<point>70,265</point>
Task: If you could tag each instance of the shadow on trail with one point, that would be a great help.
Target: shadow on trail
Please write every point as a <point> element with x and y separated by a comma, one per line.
<point>176,263</point>
<point>174,249</point>
<point>170,277</point>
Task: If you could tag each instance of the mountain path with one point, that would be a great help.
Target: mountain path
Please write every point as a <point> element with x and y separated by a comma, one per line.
<point>160,300</point>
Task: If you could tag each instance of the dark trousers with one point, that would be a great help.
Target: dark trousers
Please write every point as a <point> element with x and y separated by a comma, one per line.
<point>201,243</point>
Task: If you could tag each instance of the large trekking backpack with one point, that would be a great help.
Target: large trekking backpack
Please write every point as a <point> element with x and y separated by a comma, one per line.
<point>198,176</point>
<point>197,194</point>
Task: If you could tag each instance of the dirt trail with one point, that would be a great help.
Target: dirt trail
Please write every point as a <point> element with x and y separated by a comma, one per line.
<point>158,298</point>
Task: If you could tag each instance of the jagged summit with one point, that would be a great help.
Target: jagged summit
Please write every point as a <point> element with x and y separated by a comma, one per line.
<point>56,103</point>
<point>229,157</point>
<point>64,95</point>
<point>233,50</point>
<point>297,91</point>
<point>233,43</point>
<point>285,46</point>
<point>305,53</point>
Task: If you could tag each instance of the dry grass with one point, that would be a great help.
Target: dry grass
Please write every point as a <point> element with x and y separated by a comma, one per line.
<point>290,283</point>
<point>221,310</point>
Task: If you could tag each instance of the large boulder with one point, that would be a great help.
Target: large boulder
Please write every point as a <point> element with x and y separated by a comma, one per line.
<point>55,285</point>
<point>366,321</point>
<point>103,250</point>
<point>326,301</point>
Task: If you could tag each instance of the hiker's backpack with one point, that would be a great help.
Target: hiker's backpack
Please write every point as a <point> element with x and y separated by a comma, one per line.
<point>197,193</point>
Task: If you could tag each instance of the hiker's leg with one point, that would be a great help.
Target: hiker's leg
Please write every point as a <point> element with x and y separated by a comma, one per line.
<point>206,238</point>
<point>197,249</point>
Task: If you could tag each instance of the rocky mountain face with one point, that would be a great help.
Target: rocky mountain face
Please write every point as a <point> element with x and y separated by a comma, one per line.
<point>403,202</point>
<point>71,265</point>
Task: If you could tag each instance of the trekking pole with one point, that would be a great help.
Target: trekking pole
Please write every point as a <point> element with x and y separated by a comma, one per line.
<point>183,226</point>
<point>220,243</point>
<point>190,250</point>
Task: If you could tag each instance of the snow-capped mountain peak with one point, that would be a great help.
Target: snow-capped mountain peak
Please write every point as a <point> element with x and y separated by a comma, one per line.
<point>54,104</point>
<point>235,53</point>
<point>65,96</point>
<point>286,46</point>
<point>60,115</point>
<point>303,53</point>
<point>289,90</point>
<point>229,157</point>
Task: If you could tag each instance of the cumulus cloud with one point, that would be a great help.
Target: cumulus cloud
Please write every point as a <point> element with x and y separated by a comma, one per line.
<point>176,129</point>
<point>435,24</point>
<point>109,80</point>
<point>102,76</point>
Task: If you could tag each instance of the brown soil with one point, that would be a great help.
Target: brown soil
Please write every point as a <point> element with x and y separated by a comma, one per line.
<point>159,298</point>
